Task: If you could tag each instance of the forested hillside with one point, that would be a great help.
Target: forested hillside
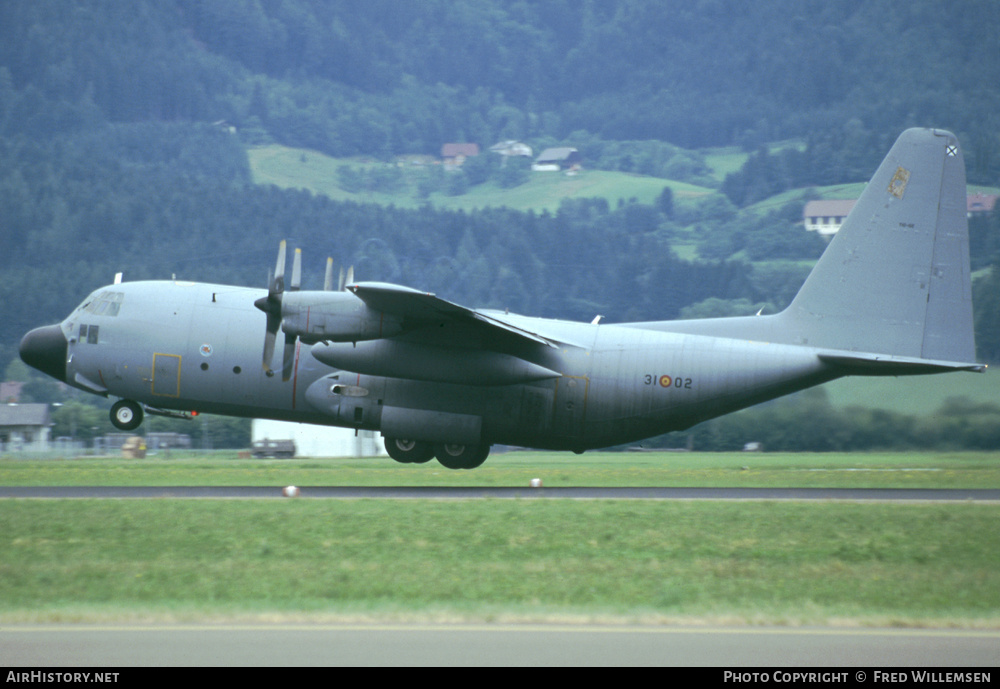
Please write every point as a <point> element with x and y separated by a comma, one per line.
<point>124,126</point>
<point>393,76</point>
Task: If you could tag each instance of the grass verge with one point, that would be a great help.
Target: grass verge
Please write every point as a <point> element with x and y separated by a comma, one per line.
<point>516,469</point>
<point>775,563</point>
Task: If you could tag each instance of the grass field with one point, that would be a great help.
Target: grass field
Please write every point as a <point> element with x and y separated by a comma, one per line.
<point>519,560</point>
<point>918,395</point>
<point>295,168</point>
<point>300,169</point>
<point>487,560</point>
<point>516,469</point>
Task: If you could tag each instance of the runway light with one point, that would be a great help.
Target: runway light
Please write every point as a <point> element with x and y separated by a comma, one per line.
<point>290,492</point>
<point>536,483</point>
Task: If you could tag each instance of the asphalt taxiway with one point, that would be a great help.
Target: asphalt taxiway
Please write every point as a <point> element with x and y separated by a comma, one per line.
<point>128,645</point>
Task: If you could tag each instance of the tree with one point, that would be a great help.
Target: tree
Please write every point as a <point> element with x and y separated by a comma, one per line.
<point>456,184</point>
<point>514,171</point>
<point>665,202</point>
<point>986,314</point>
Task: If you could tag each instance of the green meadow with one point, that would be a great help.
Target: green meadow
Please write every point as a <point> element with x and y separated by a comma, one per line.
<point>918,395</point>
<point>299,169</point>
<point>749,562</point>
<point>516,469</point>
<point>529,560</point>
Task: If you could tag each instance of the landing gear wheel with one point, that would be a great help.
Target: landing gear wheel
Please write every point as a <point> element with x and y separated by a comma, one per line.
<point>126,415</point>
<point>409,451</point>
<point>455,456</point>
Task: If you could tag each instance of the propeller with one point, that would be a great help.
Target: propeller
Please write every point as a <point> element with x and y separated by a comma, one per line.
<point>341,281</point>
<point>328,277</point>
<point>271,305</point>
<point>346,281</point>
<point>288,356</point>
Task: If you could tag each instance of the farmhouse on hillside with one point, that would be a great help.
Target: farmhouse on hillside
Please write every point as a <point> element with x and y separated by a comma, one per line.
<point>512,148</point>
<point>980,204</point>
<point>556,159</point>
<point>454,155</point>
<point>826,216</point>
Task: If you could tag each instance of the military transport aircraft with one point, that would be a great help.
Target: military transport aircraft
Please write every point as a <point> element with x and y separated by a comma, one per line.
<point>890,296</point>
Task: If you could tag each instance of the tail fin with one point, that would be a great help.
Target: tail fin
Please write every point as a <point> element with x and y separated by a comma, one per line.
<point>895,280</point>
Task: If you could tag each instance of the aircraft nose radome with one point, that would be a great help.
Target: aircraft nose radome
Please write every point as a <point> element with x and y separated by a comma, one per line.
<point>45,349</point>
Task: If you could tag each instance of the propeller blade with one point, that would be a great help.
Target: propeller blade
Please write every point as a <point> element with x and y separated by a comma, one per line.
<point>328,278</point>
<point>296,271</point>
<point>288,358</point>
<point>269,337</point>
<point>350,275</point>
<point>271,305</point>
<point>340,281</point>
<point>277,285</point>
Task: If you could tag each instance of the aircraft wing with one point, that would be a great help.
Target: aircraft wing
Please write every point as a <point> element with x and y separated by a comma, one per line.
<point>415,306</point>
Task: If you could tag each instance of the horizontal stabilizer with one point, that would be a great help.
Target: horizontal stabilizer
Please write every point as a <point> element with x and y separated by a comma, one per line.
<point>859,364</point>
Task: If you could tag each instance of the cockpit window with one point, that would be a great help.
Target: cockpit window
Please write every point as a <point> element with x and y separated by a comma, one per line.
<point>105,303</point>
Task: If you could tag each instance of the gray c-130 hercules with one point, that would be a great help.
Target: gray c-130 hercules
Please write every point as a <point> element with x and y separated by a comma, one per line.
<point>891,295</point>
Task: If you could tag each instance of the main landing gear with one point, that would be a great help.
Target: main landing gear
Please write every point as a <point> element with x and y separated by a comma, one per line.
<point>450,455</point>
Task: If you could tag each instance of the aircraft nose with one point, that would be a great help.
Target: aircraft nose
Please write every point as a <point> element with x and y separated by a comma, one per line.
<point>45,349</point>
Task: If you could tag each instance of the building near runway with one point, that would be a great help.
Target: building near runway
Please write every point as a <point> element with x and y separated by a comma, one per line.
<point>24,427</point>
<point>320,441</point>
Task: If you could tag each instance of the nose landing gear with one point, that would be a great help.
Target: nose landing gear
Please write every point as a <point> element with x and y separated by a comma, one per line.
<point>126,415</point>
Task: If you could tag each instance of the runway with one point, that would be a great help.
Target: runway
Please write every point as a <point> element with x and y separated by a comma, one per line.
<point>467,493</point>
<point>125,645</point>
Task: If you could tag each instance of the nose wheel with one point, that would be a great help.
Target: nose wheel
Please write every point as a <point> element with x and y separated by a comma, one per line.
<point>126,415</point>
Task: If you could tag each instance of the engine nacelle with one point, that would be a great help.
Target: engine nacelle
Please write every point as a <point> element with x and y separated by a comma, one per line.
<point>415,361</point>
<point>346,399</point>
<point>334,317</point>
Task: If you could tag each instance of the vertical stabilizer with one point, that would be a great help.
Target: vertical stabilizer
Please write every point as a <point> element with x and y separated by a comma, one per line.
<point>895,279</point>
